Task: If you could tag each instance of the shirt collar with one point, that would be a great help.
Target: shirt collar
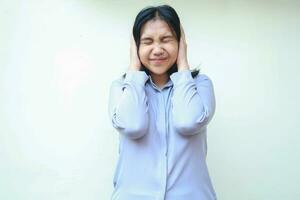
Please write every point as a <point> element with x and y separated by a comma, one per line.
<point>168,84</point>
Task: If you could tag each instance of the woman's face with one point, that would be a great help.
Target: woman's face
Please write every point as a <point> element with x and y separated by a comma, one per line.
<point>158,47</point>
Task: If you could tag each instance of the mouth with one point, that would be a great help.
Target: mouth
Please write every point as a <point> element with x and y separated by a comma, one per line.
<point>158,60</point>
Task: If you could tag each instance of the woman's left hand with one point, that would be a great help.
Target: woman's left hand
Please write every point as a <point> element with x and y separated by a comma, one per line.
<point>182,62</point>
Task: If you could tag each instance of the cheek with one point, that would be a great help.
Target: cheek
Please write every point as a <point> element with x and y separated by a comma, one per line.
<point>143,52</point>
<point>173,52</point>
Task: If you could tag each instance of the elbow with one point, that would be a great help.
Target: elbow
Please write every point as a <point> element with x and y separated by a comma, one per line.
<point>135,131</point>
<point>188,126</point>
<point>131,129</point>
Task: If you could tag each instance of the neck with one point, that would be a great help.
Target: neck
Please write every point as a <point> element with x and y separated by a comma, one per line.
<point>160,80</point>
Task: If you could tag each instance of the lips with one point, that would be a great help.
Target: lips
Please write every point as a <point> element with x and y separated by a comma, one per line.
<point>158,60</point>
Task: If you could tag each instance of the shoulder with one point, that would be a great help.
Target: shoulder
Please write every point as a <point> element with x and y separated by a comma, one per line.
<point>202,78</point>
<point>118,82</point>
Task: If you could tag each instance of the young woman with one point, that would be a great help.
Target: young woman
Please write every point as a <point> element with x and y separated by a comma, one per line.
<point>161,110</point>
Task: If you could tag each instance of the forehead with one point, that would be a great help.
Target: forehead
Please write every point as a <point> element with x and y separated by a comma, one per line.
<point>155,27</point>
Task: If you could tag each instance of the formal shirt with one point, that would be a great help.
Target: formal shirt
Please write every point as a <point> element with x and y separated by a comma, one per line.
<point>162,137</point>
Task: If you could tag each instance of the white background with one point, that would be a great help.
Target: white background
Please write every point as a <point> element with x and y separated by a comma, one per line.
<point>58,58</point>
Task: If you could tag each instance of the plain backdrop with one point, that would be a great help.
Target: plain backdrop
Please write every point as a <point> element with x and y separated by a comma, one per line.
<point>58,58</point>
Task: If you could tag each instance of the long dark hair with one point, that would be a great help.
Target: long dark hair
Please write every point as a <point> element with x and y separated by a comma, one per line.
<point>166,13</point>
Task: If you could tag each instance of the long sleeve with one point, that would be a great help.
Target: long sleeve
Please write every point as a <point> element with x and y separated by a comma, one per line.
<point>128,107</point>
<point>193,102</point>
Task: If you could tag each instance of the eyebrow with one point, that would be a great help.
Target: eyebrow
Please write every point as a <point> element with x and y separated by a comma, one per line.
<point>168,36</point>
<point>146,38</point>
<point>163,37</point>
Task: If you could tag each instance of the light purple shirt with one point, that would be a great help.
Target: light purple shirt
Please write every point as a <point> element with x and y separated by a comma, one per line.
<point>162,137</point>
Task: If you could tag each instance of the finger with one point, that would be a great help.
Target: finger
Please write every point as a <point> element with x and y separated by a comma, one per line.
<point>132,40</point>
<point>182,31</point>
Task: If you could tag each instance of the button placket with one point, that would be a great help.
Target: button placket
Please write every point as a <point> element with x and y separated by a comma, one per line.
<point>163,125</point>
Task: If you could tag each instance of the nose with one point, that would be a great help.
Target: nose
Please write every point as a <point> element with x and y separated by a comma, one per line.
<point>157,50</point>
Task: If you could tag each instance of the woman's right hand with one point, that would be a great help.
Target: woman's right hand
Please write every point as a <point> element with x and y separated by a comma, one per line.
<point>135,63</point>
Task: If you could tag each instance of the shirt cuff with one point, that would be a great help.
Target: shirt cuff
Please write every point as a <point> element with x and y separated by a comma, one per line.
<point>139,77</point>
<point>181,77</point>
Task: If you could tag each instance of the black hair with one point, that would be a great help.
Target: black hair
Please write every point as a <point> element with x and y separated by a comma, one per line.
<point>163,12</point>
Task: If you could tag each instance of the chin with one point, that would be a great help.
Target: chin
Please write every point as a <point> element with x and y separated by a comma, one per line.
<point>158,71</point>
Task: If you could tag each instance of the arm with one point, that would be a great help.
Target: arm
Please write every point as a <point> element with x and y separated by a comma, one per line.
<point>128,109</point>
<point>193,102</point>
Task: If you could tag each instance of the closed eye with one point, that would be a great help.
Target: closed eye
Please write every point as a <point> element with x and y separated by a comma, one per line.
<point>146,41</point>
<point>167,38</point>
